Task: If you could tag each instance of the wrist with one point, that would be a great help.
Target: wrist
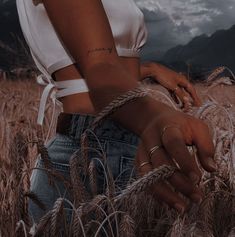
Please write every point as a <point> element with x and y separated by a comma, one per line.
<point>149,69</point>
<point>106,82</point>
<point>138,114</point>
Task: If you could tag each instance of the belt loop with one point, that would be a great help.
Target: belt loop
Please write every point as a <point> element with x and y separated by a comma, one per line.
<point>72,126</point>
<point>79,125</point>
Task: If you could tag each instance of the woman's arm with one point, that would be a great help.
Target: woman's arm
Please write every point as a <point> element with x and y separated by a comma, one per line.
<point>177,84</point>
<point>84,28</point>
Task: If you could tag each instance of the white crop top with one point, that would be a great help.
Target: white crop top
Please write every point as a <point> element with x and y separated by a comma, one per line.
<point>49,53</point>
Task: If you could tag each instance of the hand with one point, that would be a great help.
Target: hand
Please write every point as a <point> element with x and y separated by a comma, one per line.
<point>158,124</point>
<point>176,83</point>
<point>173,131</point>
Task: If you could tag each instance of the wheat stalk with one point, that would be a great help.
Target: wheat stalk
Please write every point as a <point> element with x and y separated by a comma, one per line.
<point>127,226</point>
<point>56,213</point>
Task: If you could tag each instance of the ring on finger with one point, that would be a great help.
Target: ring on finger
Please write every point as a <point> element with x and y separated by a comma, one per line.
<point>186,98</point>
<point>144,163</point>
<point>153,149</point>
<point>175,89</point>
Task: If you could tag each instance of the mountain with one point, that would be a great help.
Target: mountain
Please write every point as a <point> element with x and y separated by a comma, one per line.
<point>205,51</point>
<point>202,53</point>
<point>14,51</point>
<point>9,23</point>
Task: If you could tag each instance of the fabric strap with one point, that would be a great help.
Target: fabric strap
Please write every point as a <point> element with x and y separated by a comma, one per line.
<point>57,90</point>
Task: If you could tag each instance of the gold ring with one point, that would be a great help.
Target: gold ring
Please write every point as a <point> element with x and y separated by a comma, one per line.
<point>145,163</point>
<point>166,127</point>
<point>152,150</point>
<point>175,89</point>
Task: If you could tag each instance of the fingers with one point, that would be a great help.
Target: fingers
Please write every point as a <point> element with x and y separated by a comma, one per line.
<point>174,143</point>
<point>174,97</point>
<point>140,159</point>
<point>174,152</point>
<point>183,82</point>
<point>178,180</point>
<point>205,146</point>
<point>183,96</point>
<point>162,191</point>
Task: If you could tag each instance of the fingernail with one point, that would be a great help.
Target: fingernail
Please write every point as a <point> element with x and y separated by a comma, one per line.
<point>194,177</point>
<point>212,163</point>
<point>196,198</point>
<point>179,207</point>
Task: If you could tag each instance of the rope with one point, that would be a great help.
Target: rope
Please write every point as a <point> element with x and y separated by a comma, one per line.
<point>138,92</point>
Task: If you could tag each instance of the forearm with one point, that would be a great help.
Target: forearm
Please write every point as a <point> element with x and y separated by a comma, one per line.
<point>106,82</point>
<point>147,69</point>
<point>84,28</point>
<point>134,115</point>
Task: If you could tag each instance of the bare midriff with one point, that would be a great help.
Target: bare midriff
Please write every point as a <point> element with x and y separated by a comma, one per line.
<point>81,103</point>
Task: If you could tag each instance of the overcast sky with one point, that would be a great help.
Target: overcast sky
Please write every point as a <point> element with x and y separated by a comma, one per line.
<point>172,22</point>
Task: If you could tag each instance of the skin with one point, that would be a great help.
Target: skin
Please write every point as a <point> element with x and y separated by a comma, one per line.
<point>108,76</point>
<point>176,83</point>
<point>85,105</point>
<point>166,77</point>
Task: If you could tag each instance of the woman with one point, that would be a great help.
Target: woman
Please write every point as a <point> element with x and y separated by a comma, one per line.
<point>91,49</point>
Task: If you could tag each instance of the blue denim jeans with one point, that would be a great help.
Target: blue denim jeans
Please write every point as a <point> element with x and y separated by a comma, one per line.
<point>118,144</point>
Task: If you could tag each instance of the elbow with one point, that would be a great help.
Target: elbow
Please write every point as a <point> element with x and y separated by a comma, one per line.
<point>103,62</point>
<point>100,64</point>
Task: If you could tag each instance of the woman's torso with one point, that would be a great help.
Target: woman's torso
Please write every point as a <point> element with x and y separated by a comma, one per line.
<point>81,103</point>
<point>128,28</point>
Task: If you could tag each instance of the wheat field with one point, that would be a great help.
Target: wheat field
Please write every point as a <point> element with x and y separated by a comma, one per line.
<point>124,215</point>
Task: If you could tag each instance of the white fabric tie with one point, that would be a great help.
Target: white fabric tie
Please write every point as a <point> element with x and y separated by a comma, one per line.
<point>57,90</point>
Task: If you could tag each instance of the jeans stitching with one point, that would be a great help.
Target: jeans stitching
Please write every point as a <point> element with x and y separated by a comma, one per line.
<point>57,166</point>
<point>69,144</point>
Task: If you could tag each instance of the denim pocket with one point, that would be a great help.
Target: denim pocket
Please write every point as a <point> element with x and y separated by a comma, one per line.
<point>97,153</point>
<point>127,167</point>
<point>120,158</point>
<point>48,186</point>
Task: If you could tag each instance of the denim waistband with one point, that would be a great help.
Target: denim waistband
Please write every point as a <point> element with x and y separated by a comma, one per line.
<point>108,129</point>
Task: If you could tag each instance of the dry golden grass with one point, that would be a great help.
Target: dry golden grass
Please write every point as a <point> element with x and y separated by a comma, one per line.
<point>21,140</point>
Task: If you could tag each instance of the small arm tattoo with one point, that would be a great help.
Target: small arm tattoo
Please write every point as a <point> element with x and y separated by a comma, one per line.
<point>96,50</point>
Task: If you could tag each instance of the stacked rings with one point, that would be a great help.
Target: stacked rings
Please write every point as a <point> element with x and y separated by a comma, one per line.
<point>144,163</point>
<point>152,150</point>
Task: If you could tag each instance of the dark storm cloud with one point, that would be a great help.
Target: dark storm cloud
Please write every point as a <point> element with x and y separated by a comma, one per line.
<point>224,19</point>
<point>162,30</point>
<point>172,22</point>
<point>163,33</point>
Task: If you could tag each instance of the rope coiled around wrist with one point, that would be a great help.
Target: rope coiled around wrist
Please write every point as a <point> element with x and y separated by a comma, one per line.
<point>121,100</point>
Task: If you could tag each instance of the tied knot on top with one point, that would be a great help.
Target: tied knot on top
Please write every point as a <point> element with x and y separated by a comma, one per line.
<point>56,90</point>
